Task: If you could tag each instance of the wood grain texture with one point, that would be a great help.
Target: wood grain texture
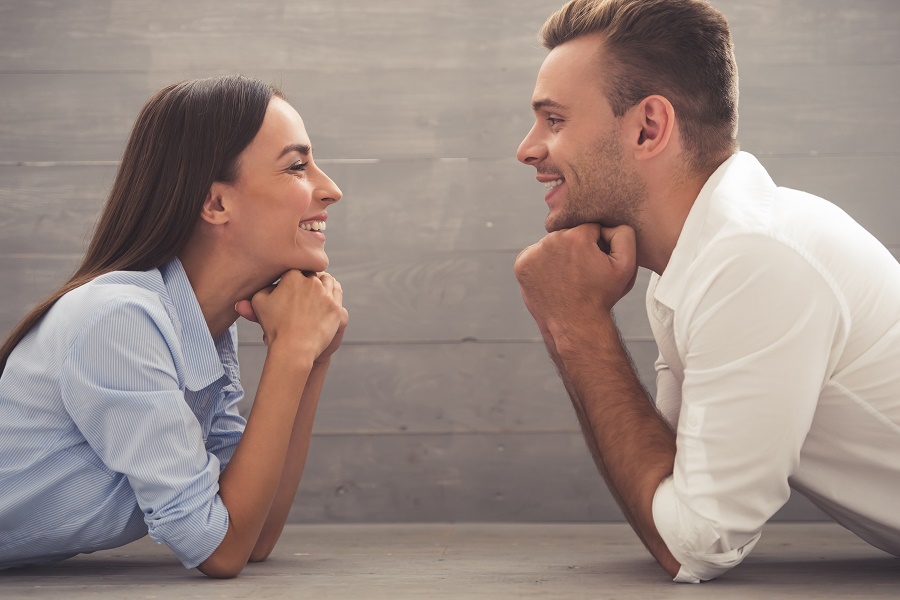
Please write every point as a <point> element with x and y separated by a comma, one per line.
<point>67,35</point>
<point>785,110</point>
<point>443,388</point>
<point>460,477</point>
<point>444,296</point>
<point>414,206</point>
<point>442,405</point>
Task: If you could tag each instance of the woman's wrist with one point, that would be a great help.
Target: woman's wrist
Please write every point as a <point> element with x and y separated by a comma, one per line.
<point>292,357</point>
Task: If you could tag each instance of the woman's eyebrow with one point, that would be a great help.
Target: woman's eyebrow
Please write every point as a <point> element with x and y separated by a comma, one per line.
<point>303,149</point>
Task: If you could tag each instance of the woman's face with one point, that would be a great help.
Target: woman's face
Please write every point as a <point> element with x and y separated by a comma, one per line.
<point>280,197</point>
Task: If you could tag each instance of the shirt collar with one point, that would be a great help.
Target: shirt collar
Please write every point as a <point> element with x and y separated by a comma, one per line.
<point>738,178</point>
<point>203,356</point>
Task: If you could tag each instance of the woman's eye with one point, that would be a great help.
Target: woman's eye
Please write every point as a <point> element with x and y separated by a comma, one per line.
<point>298,166</point>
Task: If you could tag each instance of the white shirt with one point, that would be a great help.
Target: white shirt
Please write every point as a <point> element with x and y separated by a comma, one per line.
<point>778,324</point>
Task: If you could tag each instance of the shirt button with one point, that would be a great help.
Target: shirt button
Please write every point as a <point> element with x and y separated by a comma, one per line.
<point>693,421</point>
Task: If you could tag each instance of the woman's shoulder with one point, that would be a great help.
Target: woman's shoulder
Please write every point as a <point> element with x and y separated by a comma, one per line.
<point>123,294</point>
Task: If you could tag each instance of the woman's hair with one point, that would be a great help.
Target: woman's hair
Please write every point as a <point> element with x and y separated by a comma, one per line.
<point>186,137</point>
<point>680,49</point>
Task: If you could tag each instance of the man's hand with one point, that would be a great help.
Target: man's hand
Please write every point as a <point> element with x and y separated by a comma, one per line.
<point>568,273</point>
<point>570,281</point>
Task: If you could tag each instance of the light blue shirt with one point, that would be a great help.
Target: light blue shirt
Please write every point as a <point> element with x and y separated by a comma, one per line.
<point>118,412</point>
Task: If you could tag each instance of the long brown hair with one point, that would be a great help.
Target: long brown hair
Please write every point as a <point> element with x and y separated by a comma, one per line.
<point>187,136</point>
<point>680,49</point>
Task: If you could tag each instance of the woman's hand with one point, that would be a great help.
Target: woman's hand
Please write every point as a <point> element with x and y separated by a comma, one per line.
<point>338,336</point>
<point>302,313</point>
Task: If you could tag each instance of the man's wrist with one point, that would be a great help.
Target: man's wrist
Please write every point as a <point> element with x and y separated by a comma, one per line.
<point>575,337</point>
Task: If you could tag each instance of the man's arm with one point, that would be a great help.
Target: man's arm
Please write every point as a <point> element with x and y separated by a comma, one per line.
<point>632,446</point>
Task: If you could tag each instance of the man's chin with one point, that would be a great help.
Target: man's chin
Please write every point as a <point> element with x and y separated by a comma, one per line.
<point>558,224</point>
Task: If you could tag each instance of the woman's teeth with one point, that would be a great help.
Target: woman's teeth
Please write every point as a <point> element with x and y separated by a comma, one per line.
<point>313,226</point>
<point>554,183</point>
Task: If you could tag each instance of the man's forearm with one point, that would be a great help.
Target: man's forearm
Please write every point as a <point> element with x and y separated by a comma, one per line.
<point>632,446</point>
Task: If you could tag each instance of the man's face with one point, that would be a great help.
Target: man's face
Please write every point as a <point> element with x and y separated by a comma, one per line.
<point>576,143</point>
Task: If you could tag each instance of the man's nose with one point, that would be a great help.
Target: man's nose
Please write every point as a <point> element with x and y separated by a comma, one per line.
<point>531,150</point>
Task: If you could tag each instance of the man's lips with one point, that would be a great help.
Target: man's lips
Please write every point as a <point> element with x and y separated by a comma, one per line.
<point>553,183</point>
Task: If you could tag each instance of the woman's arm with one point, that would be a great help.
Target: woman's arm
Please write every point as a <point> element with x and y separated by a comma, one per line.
<point>300,319</point>
<point>293,466</point>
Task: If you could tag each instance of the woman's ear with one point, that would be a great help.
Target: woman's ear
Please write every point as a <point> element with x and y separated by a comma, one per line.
<point>214,209</point>
<point>654,121</point>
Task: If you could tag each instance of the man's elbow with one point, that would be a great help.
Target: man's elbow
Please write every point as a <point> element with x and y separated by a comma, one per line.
<point>668,562</point>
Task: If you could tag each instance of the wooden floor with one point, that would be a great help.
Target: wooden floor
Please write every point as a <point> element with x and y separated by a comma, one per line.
<point>494,561</point>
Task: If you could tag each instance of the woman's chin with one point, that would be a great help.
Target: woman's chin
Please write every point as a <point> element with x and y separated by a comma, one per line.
<point>316,265</point>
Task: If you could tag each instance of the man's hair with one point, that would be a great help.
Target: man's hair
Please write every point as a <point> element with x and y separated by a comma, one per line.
<point>679,49</point>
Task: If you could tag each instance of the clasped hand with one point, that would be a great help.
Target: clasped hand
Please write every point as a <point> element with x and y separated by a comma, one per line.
<point>303,312</point>
<point>567,277</point>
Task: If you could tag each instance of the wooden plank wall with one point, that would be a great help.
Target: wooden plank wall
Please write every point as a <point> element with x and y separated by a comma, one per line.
<point>442,404</point>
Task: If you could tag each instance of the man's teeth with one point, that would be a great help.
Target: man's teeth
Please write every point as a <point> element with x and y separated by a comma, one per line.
<point>313,225</point>
<point>554,183</point>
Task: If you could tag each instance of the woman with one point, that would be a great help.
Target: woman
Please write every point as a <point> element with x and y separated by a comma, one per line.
<point>118,394</point>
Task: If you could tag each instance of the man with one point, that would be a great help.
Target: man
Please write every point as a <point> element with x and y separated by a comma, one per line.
<point>776,315</point>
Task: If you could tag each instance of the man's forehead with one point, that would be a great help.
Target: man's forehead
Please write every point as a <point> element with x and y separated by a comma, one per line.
<point>569,70</point>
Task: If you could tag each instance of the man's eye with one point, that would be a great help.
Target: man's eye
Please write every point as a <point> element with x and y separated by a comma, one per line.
<point>298,166</point>
<point>553,121</point>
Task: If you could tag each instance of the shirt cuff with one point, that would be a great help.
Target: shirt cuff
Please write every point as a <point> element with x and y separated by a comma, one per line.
<point>194,539</point>
<point>691,539</point>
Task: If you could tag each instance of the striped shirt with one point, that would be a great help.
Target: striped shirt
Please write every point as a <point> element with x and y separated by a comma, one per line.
<point>118,412</point>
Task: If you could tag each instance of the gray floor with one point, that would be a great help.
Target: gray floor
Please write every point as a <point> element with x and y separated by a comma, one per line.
<point>495,561</point>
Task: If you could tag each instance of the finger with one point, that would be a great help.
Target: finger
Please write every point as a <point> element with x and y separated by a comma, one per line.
<point>622,246</point>
<point>620,238</point>
<point>292,275</point>
<point>338,292</point>
<point>594,231</point>
<point>245,309</point>
<point>327,281</point>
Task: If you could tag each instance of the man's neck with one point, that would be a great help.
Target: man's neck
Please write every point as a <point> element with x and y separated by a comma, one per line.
<point>669,201</point>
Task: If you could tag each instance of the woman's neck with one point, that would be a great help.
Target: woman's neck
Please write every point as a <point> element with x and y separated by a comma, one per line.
<point>219,284</point>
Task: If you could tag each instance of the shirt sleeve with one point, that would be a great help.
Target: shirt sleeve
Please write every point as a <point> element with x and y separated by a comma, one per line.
<point>227,426</point>
<point>121,386</point>
<point>759,331</point>
<point>668,392</point>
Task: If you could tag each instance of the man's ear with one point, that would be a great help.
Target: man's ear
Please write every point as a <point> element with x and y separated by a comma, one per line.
<point>215,207</point>
<point>653,121</point>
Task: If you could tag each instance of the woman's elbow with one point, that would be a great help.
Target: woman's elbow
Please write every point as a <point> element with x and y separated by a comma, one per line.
<point>261,552</point>
<point>219,567</point>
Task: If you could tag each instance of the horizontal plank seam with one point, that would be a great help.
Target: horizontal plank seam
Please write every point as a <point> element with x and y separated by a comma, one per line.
<point>452,342</point>
<point>375,433</point>
<point>443,159</point>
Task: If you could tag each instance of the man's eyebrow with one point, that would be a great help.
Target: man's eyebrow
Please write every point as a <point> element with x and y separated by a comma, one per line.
<point>546,103</point>
<point>303,149</point>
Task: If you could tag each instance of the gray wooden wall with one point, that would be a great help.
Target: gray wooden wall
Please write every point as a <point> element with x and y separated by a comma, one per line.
<point>442,404</point>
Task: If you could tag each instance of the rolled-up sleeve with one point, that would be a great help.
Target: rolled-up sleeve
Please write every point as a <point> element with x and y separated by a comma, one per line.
<point>228,425</point>
<point>757,336</point>
<point>122,386</point>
